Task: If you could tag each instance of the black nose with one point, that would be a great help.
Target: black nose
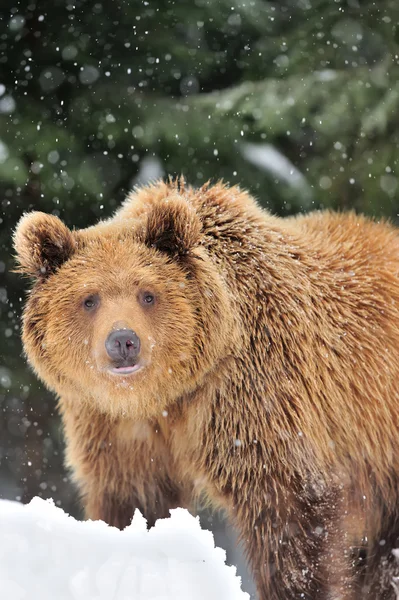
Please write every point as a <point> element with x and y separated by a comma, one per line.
<point>122,344</point>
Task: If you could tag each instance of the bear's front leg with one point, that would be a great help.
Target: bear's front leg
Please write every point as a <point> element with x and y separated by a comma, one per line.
<point>296,545</point>
<point>119,466</point>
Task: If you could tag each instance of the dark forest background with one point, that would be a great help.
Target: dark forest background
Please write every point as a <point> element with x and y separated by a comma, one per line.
<point>296,100</point>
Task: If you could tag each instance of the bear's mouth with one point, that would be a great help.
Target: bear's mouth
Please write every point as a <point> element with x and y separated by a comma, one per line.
<point>125,369</point>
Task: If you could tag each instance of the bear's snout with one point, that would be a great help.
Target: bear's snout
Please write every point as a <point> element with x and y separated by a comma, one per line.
<point>123,346</point>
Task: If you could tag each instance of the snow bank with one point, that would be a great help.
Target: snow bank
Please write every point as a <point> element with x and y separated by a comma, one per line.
<point>46,555</point>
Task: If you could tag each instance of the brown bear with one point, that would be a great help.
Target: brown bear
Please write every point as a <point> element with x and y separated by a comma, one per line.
<point>200,346</point>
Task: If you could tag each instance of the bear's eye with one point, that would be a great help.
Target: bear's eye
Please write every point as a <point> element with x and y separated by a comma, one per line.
<point>147,298</point>
<point>91,302</point>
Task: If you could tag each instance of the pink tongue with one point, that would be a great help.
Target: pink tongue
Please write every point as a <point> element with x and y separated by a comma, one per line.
<point>124,369</point>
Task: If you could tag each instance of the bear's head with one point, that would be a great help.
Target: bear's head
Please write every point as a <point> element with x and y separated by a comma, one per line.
<point>130,314</point>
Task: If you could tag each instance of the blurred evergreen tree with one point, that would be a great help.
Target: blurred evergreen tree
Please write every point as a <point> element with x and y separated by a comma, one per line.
<point>296,100</point>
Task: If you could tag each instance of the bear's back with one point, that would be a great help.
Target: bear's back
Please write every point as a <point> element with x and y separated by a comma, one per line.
<point>347,234</point>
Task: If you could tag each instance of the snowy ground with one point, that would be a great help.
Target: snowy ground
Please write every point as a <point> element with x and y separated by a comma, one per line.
<point>46,555</point>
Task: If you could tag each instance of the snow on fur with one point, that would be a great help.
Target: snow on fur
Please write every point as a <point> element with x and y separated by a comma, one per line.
<point>46,554</point>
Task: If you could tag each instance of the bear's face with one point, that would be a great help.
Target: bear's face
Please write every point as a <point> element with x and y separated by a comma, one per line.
<point>129,315</point>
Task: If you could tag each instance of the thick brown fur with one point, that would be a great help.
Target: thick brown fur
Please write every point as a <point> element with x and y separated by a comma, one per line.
<point>270,376</point>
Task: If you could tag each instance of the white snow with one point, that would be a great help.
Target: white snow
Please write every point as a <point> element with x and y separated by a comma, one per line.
<point>150,169</point>
<point>45,555</point>
<point>268,158</point>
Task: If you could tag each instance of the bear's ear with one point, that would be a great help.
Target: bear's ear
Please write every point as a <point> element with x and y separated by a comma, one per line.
<point>173,227</point>
<point>42,243</point>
